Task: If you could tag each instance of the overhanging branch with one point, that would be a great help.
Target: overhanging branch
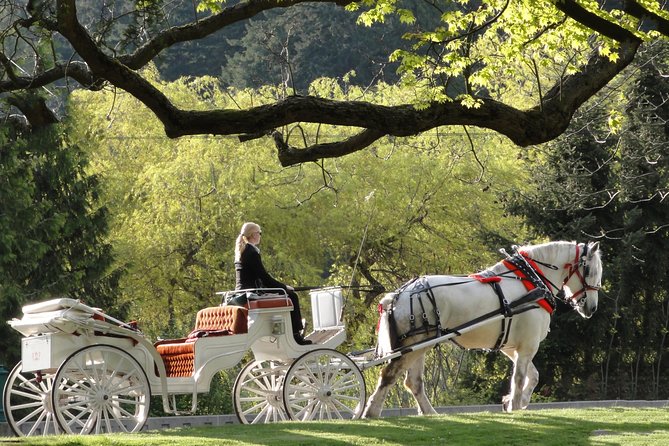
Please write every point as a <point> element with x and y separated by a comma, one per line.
<point>290,155</point>
<point>207,26</point>
<point>524,127</point>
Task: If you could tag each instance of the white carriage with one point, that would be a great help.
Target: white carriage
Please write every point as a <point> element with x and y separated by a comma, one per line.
<point>85,372</point>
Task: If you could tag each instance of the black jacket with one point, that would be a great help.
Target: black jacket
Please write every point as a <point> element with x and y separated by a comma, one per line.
<point>250,272</point>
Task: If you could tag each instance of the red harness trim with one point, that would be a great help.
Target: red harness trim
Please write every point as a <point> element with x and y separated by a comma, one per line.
<point>483,279</point>
<point>529,286</point>
<point>543,303</point>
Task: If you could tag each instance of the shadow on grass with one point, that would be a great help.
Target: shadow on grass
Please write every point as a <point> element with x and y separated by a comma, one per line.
<point>551,427</point>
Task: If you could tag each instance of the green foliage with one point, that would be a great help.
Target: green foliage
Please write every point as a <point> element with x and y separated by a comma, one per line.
<point>52,228</point>
<point>491,48</point>
<point>612,187</point>
<point>425,204</point>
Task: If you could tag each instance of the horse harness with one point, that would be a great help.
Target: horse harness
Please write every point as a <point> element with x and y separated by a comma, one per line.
<point>520,266</point>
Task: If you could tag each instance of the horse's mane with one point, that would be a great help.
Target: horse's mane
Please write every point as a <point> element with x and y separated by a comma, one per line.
<point>548,249</point>
<point>553,249</point>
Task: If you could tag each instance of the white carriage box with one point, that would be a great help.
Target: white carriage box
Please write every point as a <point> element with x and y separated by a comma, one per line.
<point>47,351</point>
<point>48,328</point>
<point>36,353</point>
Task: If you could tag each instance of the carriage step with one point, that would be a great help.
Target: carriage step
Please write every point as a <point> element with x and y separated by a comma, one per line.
<point>322,336</point>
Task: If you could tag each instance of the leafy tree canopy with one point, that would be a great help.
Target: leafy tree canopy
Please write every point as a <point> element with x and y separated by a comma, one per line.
<point>425,206</point>
<point>463,69</point>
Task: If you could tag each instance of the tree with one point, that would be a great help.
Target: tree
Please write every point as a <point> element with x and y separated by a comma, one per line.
<point>273,51</point>
<point>574,47</point>
<point>612,186</point>
<point>52,229</point>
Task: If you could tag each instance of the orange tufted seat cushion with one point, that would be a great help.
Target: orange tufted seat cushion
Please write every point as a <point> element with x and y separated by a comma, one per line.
<point>228,317</point>
<point>273,302</point>
<point>179,354</point>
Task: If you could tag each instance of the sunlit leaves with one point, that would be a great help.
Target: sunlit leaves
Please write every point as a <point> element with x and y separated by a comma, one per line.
<point>469,101</point>
<point>406,16</point>
<point>178,204</point>
<point>215,6</point>
<point>485,46</point>
<point>615,121</point>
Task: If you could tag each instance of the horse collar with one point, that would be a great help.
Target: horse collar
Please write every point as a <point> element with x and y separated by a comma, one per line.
<point>527,270</point>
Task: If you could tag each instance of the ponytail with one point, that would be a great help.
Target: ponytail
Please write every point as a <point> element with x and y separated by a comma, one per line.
<point>242,239</point>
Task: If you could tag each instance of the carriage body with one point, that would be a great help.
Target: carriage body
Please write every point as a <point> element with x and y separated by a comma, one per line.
<point>76,360</point>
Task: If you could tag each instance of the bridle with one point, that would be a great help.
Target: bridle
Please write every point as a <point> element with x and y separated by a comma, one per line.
<point>574,268</point>
<point>579,267</point>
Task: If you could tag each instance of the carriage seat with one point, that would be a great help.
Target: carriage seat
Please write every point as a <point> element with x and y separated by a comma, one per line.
<point>270,301</point>
<point>179,354</point>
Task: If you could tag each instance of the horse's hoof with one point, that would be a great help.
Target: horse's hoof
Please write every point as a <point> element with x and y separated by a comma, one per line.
<point>507,405</point>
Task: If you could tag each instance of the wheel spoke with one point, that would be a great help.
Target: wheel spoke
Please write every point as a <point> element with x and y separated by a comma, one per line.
<point>25,419</point>
<point>257,393</point>
<point>28,405</point>
<point>103,390</point>
<point>324,384</point>
<point>36,424</point>
<point>25,403</point>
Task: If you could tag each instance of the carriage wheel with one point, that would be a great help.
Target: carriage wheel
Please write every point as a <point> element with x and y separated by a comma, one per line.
<point>27,400</point>
<point>258,396</point>
<point>324,385</point>
<point>101,389</point>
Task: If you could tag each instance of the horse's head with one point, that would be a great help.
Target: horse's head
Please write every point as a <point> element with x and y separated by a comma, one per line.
<point>584,278</point>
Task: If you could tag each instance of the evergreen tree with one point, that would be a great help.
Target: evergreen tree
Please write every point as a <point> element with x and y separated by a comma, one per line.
<point>275,49</point>
<point>51,233</point>
<point>612,188</point>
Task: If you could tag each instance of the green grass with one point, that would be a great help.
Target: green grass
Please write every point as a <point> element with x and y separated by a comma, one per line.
<point>559,427</point>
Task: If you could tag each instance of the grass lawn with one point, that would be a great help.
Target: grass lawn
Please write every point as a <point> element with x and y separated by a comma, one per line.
<point>559,427</point>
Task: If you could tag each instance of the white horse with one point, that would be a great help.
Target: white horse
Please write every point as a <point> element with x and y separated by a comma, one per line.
<point>529,281</point>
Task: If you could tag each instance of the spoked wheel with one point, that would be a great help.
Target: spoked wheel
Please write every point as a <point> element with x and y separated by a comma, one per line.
<point>324,385</point>
<point>258,395</point>
<point>101,389</point>
<point>27,400</point>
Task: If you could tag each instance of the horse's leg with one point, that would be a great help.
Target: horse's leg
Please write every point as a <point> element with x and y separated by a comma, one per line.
<point>414,382</point>
<point>521,366</point>
<point>508,398</point>
<point>531,381</point>
<point>387,378</point>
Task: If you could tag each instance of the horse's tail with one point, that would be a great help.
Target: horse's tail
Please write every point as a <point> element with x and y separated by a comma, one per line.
<point>387,333</point>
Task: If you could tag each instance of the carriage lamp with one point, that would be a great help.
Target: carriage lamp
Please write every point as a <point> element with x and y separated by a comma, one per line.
<point>278,326</point>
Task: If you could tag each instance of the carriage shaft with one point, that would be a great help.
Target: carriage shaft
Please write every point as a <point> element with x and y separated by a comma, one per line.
<point>452,333</point>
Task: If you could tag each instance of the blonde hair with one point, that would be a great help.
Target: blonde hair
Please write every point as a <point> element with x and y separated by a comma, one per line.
<point>247,231</point>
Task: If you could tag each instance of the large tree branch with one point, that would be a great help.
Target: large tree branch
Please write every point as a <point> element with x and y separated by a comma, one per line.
<point>573,9</point>
<point>75,70</point>
<point>635,9</point>
<point>35,110</point>
<point>524,127</point>
<point>148,51</point>
<point>290,155</point>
